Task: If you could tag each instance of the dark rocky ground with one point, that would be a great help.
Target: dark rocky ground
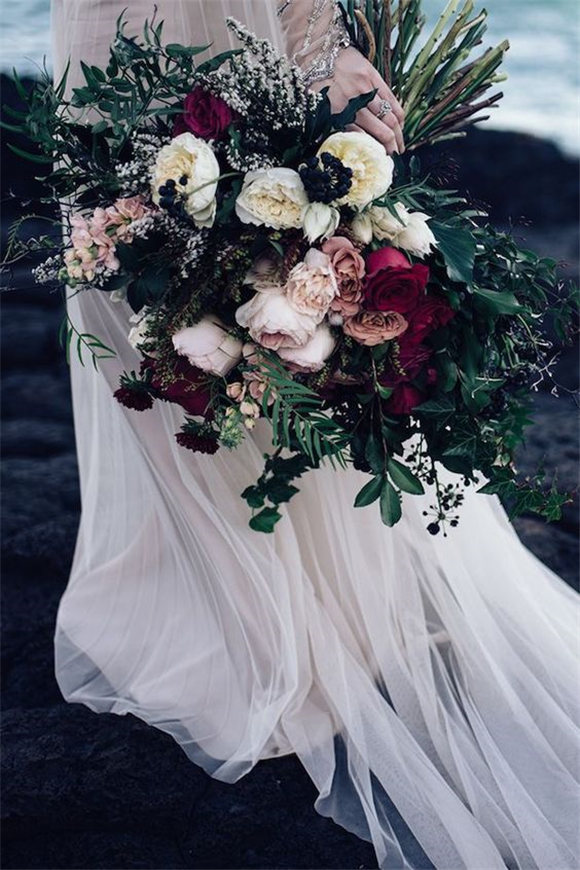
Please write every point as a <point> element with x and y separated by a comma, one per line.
<point>88,791</point>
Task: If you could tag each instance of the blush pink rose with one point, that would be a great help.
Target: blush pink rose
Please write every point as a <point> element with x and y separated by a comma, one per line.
<point>349,269</point>
<point>375,327</point>
<point>311,285</point>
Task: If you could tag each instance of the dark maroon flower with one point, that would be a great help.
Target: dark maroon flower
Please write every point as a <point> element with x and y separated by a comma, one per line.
<point>137,400</point>
<point>392,283</point>
<point>404,399</point>
<point>432,313</point>
<point>198,443</point>
<point>204,115</point>
<point>408,360</point>
<point>187,388</point>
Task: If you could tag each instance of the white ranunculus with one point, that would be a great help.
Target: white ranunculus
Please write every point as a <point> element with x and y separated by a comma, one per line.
<point>311,356</point>
<point>272,197</point>
<point>273,322</point>
<point>191,160</point>
<point>208,346</point>
<point>417,238</point>
<point>410,232</point>
<point>362,227</point>
<point>319,221</point>
<point>372,168</point>
<point>387,227</point>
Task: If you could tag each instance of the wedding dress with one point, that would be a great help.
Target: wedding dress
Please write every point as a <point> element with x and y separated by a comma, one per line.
<point>425,683</point>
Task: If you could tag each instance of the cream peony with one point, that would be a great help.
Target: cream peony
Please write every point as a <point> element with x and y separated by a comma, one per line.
<point>272,197</point>
<point>312,356</point>
<point>273,322</point>
<point>408,230</point>
<point>311,285</point>
<point>319,221</point>
<point>372,168</point>
<point>193,166</point>
<point>208,346</point>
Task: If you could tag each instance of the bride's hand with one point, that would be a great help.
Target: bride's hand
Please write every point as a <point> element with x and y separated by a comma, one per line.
<point>354,75</point>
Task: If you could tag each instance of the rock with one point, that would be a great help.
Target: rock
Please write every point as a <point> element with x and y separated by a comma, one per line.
<point>553,546</point>
<point>43,393</point>
<point>25,437</point>
<point>517,175</point>
<point>30,337</point>
<point>40,490</point>
<point>71,773</point>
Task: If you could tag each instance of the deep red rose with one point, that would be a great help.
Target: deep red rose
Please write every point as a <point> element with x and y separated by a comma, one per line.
<point>404,399</point>
<point>410,359</point>
<point>204,115</point>
<point>432,313</point>
<point>186,389</point>
<point>392,283</point>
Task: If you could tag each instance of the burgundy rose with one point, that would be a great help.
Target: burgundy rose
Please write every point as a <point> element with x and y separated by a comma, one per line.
<point>204,115</point>
<point>409,360</point>
<point>392,283</point>
<point>186,388</point>
<point>432,313</point>
<point>404,399</point>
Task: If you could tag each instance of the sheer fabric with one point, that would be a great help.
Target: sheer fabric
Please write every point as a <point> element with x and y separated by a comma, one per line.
<point>425,683</point>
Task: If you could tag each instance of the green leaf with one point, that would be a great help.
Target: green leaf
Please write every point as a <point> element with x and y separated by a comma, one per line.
<point>390,504</point>
<point>404,478</point>
<point>279,492</point>
<point>375,454</point>
<point>496,302</point>
<point>35,158</point>
<point>265,520</point>
<point>370,492</point>
<point>253,496</point>
<point>457,247</point>
<point>438,410</point>
<point>342,119</point>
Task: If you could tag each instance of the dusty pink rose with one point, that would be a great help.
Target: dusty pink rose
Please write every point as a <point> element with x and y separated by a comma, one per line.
<point>375,327</point>
<point>273,322</point>
<point>349,269</point>
<point>311,285</point>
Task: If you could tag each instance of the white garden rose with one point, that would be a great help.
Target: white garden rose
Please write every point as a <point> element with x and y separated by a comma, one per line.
<point>311,356</point>
<point>372,168</point>
<point>191,163</point>
<point>409,232</point>
<point>272,197</point>
<point>319,221</point>
<point>386,226</point>
<point>273,322</point>
<point>417,238</point>
<point>208,346</point>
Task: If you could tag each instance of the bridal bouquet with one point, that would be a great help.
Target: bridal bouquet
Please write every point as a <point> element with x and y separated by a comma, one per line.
<point>280,266</point>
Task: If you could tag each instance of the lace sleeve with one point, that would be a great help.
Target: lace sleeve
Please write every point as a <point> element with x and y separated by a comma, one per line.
<point>314,33</point>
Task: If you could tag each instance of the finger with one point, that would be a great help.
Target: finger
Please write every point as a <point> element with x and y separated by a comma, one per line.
<point>382,132</point>
<point>385,93</point>
<point>389,118</point>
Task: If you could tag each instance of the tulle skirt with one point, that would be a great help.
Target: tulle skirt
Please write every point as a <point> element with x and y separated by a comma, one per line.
<point>429,685</point>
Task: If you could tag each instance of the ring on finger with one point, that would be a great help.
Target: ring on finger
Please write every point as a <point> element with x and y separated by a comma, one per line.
<point>384,109</point>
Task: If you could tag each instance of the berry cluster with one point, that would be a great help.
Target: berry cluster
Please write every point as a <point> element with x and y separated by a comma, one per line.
<point>169,193</point>
<point>325,178</point>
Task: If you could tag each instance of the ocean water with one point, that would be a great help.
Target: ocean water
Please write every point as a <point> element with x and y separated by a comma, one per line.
<point>541,94</point>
